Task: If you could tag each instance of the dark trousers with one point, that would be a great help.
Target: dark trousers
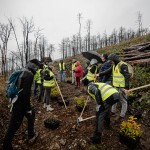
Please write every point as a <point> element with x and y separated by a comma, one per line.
<point>41,91</point>
<point>16,119</point>
<point>47,98</point>
<point>35,88</point>
<point>102,115</point>
<point>104,112</point>
<point>78,81</point>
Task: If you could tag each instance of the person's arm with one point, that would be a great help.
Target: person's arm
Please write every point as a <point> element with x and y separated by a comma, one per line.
<point>27,81</point>
<point>125,72</point>
<point>107,71</point>
<point>94,90</point>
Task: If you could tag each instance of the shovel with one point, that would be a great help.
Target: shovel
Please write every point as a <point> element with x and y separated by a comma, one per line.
<point>80,118</point>
<point>140,87</point>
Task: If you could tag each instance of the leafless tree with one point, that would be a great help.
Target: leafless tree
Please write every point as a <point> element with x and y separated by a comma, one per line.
<point>28,27</point>
<point>5,31</point>
<point>79,18</point>
<point>14,31</point>
<point>89,23</point>
<point>139,22</point>
<point>37,36</point>
<point>121,34</point>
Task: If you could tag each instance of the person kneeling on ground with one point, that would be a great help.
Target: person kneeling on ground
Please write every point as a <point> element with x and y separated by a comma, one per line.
<point>105,96</point>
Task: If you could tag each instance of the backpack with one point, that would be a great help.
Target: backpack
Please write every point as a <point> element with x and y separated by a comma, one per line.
<point>12,90</point>
<point>46,75</point>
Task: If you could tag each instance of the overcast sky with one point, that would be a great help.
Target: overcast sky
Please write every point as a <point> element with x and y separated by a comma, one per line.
<point>59,18</point>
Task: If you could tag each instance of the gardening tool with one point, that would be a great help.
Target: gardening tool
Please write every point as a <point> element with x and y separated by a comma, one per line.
<point>80,118</point>
<point>140,87</point>
<point>60,93</point>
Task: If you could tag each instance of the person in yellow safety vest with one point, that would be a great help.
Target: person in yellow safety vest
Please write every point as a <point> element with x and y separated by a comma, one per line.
<point>48,83</point>
<point>73,66</point>
<point>105,96</point>
<point>62,69</point>
<point>45,66</point>
<point>38,82</point>
<point>92,71</point>
<point>121,76</point>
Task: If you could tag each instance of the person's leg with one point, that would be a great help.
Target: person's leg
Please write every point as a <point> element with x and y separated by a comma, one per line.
<point>123,100</point>
<point>64,76</point>
<point>77,81</point>
<point>35,88</point>
<point>31,119</point>
<point>14,124</point>
<point>49,108</point>
<point>61,76</point>
<point>113,109</point>
<point>41,91</point>
<point>73,79</point>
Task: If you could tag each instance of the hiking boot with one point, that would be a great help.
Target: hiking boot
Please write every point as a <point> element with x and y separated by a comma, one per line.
<point>33,139</point>
<point>49,108</point>
<point>96,139</point>
<point>44,105</point>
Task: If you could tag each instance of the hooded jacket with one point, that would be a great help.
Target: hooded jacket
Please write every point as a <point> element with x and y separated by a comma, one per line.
<point>78,70</point>
<point>123,68</point>
<point>25,82</point>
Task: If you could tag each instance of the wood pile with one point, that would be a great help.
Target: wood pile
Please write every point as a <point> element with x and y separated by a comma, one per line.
<point>137,54</point>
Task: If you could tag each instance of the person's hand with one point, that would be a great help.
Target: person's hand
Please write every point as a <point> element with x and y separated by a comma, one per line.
<point>88,68</point>
<point>125,91</point>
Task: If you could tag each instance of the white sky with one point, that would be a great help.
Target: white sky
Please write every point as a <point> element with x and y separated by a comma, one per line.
<point>59,18</point>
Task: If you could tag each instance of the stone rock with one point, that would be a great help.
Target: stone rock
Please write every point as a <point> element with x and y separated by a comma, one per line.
<point>63,142</point>
<point>55,146</point>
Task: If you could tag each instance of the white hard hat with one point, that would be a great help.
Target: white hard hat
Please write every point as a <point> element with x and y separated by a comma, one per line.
<point>93,61</point>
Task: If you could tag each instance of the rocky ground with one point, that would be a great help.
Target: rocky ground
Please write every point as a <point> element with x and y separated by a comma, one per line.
<point>69,134</point>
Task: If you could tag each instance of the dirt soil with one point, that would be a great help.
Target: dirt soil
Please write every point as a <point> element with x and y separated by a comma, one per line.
<point>70,135</point>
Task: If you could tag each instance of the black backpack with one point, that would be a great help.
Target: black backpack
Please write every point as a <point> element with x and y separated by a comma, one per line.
<point>47,75</point>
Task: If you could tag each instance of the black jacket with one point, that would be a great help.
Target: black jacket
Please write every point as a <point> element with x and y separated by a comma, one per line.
<point>25,82</point>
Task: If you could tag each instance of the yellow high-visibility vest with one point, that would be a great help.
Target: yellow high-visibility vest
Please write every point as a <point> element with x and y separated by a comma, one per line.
<point>39,76</point>
<point>61,66</point>
<point>49,83</point>
<point>105,90</point>
<point>73,66</point>
<point>91,76</point>
<point>118,78</point>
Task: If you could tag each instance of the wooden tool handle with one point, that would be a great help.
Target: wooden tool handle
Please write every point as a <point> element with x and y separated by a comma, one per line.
<point>140,87</point>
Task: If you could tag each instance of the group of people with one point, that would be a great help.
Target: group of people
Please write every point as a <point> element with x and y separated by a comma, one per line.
<point>76,72</point>
<point>106,85</point>
<point>111,87</point>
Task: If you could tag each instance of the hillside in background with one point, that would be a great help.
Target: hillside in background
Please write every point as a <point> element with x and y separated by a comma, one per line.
<point>71,136</point>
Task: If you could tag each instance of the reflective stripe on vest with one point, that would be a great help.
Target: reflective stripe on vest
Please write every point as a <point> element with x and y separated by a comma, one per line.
<point>39,76</point>
<point>118,78</point>
<point>61,67</point>
<point>91,76</point>
<point>105,90</point>
<point>45,66</point>
<point>73,66</point>
<point>49,83</point>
